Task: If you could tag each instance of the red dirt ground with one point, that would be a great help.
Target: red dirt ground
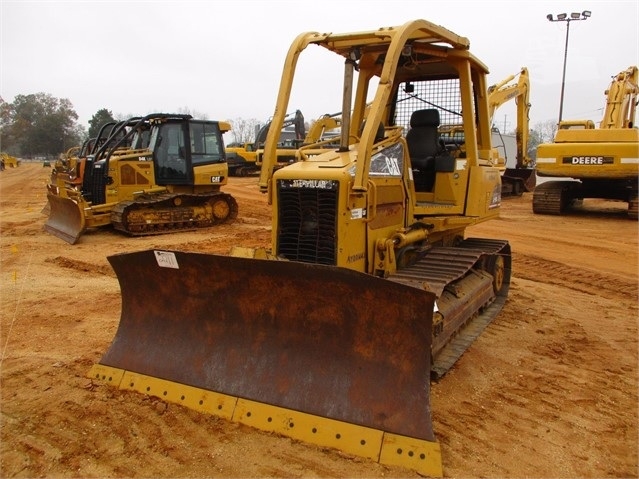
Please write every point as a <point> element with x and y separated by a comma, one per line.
<point>549,389</point>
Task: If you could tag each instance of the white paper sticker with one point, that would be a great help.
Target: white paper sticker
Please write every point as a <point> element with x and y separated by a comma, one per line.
<point>166,259</point>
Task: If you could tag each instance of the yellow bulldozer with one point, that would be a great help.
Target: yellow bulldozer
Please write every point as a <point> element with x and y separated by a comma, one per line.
<point>67,174</point>
<point>246,159</point>
<point>8,161</point>
<point>370,287</point>
<point>173,183</point>
<point>68,170</point>
<point>588,162</point>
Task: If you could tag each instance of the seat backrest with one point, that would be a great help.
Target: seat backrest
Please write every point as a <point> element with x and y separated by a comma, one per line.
<point>422,138</point>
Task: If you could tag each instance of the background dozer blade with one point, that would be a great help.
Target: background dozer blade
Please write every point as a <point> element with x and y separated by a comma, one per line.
<point>66,218</point>
<point>325,341</point>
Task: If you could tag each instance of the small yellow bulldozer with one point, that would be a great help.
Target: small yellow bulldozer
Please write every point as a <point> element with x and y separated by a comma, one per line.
<point>170,183</point>
<point>8,161</point>
<point>370,287</point>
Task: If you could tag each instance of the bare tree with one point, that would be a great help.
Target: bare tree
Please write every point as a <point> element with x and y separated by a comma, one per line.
<point>244,130</point>
<point>546,130</point>
<point>185,110</point>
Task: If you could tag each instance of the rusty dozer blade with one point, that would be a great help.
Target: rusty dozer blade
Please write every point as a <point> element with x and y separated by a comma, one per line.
<point>66,218</point>
<point>322,354</point>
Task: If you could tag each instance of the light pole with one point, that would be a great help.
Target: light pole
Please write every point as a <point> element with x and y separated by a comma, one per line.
<point>564,17</point>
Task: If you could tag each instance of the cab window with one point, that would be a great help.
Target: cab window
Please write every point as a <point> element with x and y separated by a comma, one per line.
<point>206,143</point>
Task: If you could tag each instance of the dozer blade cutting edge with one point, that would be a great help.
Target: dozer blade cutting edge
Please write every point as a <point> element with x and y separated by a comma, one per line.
<point>66,218</point>
<point>321,354</point>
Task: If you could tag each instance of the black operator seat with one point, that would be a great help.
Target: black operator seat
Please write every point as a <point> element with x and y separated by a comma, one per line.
<point>423,146</point>
<point>427,152</point>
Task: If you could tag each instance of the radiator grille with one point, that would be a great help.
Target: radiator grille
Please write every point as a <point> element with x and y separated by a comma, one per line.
<point>307,220</point>
<point>94,183</point>
<point>99,182</point>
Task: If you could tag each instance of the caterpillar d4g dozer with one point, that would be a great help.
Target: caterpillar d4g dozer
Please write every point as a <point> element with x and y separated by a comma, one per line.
<point>588,162</point>
<point>172,184</point>
<point>370,286</point>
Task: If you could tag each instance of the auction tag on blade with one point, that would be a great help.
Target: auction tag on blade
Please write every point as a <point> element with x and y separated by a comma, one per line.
<point>357,213</point>
<point>166,259</point>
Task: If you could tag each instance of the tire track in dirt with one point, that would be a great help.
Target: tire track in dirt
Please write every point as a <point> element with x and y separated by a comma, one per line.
<point>538,269</point>
<point>548,390</point>
<point>80,266</point>
<point>538,377</point>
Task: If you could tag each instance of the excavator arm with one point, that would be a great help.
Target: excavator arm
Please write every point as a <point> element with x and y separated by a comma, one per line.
<point>503,92</point>
<point>322,125</point>
<point>621,100</point>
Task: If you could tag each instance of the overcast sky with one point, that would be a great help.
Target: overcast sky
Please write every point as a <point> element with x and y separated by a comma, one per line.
<point>223,58</point>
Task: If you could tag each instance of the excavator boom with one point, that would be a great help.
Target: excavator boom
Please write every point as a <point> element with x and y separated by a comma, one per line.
<point>522,177</point>
<point>621,103</point>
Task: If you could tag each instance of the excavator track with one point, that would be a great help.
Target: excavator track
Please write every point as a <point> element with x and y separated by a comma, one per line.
<point>471,282</point>
<point>633,206</point>
<point>554,197</point>
<point>171,212</point>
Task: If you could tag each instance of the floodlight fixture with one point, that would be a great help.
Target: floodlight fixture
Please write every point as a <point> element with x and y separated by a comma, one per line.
<point>563,17</point>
